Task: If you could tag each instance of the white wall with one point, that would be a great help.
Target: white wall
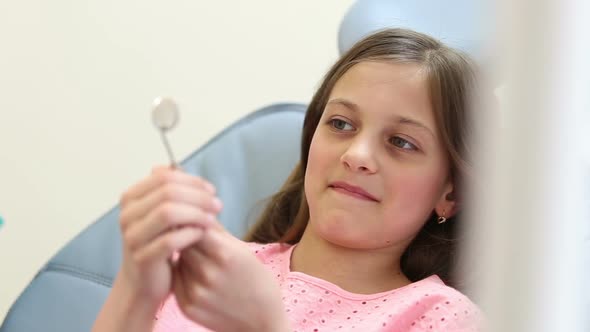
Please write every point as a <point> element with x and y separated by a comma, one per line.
<point>77,79</point>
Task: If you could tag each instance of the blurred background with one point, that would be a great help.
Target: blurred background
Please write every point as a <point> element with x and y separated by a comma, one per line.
<point>77,82</point>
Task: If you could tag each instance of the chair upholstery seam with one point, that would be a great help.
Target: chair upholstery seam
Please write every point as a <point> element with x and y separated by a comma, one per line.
<point>78,273</point>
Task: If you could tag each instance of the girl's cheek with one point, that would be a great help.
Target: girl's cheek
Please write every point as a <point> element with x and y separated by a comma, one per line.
<point>417,188</point>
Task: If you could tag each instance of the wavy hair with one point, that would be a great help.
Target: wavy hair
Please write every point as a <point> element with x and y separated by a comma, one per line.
<point>451,78</point>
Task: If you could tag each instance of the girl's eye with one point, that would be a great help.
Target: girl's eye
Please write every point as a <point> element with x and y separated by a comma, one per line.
<point>340,124</point>
<point>402,143</point>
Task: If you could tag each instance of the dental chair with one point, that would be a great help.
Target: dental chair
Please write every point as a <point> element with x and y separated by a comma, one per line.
<point>247,163</point>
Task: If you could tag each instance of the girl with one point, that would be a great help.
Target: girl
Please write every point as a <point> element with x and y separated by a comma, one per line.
<point>362,236</point>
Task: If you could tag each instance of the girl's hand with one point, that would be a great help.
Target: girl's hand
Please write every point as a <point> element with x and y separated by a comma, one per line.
<point>163,214</point>
<point>221,285</point>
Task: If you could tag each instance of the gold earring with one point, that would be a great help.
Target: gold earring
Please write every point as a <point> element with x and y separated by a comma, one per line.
<point>442,219</point>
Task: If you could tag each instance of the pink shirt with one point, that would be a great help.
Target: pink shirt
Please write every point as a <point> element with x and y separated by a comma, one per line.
<point>315,305</point>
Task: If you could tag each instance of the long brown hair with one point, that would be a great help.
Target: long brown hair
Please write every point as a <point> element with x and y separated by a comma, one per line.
<point>450,76</point>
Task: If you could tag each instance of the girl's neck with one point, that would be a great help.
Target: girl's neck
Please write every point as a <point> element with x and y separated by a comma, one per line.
<point>358,271</point>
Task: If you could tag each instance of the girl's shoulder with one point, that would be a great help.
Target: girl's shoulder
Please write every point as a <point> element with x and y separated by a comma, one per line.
<point>275,256</point>
<point>268,251</point>
<point>438,305</point>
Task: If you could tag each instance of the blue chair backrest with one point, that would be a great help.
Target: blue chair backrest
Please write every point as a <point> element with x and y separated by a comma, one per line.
<point>247,162</point>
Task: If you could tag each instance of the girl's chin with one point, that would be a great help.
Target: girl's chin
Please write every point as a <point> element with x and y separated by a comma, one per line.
<point>338,229</point>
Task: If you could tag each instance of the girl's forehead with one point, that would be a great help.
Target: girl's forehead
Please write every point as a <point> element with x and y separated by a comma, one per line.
<point>387,88</point>
<point>386,73</point>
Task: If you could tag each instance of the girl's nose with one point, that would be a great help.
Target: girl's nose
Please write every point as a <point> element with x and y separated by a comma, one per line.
<point>360,157</point>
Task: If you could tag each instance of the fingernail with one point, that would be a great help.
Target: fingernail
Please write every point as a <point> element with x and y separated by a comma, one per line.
<point>210,187</point>
<point>217,203</point>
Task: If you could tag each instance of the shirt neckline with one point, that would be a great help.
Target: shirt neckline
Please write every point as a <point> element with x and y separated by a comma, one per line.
<point>328,286</point>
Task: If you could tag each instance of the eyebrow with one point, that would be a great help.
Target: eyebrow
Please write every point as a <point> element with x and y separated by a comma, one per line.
<point>399,119</point>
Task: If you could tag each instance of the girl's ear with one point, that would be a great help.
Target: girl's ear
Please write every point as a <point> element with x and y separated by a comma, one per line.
<point>448,204</point>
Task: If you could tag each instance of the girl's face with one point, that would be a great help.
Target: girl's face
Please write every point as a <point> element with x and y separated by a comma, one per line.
<point>376,167</point>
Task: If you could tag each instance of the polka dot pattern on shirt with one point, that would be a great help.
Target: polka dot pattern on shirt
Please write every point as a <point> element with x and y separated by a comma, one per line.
<point>316,305</point>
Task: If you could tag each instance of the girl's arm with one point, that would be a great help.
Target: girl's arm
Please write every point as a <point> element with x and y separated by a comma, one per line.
<point>125,311</point>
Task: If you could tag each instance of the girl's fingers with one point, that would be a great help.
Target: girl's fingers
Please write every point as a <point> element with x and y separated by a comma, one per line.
<point>180,289</point>
<point>171,192</point>
<point>183,177</point>
<point>178,286</point>
<point>163,247</point>
<point>161,168</point>
<point>164,218</point>
<point>200,267</point>
<point>161,177</point>
<point>188,293</point>
<point>213,245</point>
<point>193,299</point>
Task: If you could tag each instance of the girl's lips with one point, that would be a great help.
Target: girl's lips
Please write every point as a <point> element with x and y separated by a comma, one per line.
<point>352,190</point>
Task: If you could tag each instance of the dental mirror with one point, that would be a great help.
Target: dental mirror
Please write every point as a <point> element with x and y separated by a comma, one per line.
<point>165,117</point>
